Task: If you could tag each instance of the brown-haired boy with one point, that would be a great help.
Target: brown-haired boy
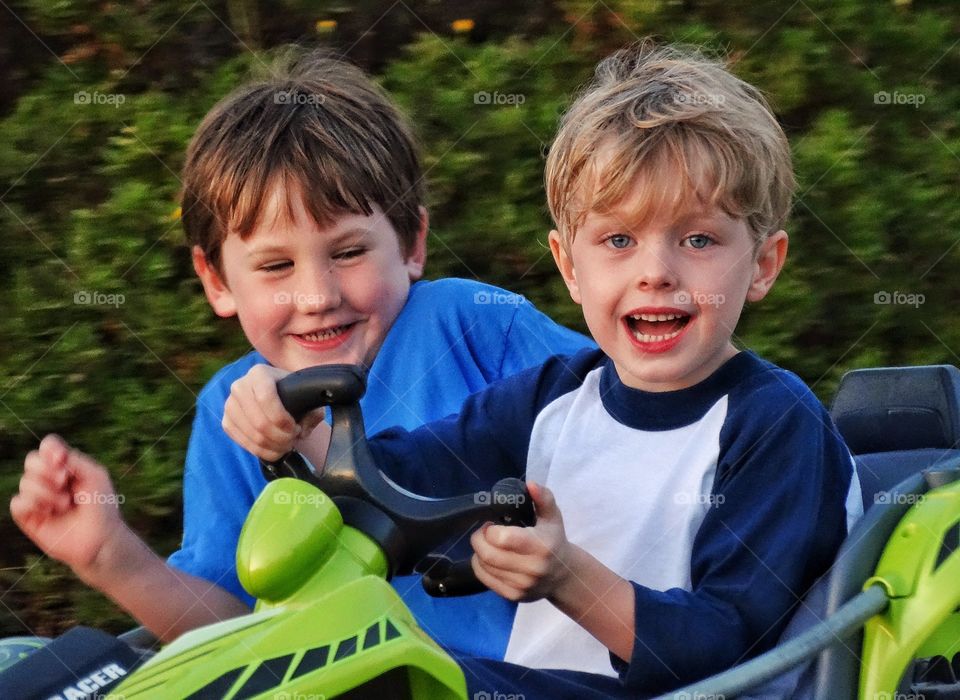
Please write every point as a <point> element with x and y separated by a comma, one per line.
<point>303,204</point>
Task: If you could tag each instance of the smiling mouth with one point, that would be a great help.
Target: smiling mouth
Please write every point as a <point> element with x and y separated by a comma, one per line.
<point>654,328</point>
<point>325,334</point>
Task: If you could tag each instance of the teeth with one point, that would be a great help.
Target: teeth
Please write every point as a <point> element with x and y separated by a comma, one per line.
<point>655,317</point>
<point>646,338</point>
<point>323,335</point>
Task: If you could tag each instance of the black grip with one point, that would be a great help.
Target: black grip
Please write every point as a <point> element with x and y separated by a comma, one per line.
<point>509,503</point>
<point>443,577</point>
<point>326,385</point>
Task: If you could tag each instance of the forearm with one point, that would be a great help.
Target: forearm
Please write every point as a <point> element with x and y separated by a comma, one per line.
<point>165,600</point>
<point>599,600</point>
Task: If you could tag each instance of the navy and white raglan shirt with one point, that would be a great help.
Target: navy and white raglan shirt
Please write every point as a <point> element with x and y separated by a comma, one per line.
<point>722,503</point>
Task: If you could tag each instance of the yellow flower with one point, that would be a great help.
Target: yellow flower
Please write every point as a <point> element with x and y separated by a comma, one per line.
<point>176,214</point>
<point>325,26</point>
<point>462,26</point>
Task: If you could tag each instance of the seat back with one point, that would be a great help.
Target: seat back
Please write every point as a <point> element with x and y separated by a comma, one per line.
<point>898,421</point>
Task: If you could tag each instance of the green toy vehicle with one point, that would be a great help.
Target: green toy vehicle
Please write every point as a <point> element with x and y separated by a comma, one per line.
<point>317,550</point>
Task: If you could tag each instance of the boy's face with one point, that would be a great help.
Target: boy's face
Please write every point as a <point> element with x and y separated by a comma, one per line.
<point>662,296</point>
<point>307,296</point>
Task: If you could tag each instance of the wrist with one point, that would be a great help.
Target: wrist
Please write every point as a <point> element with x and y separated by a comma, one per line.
<point>119,556</point>
<point>568,586</point>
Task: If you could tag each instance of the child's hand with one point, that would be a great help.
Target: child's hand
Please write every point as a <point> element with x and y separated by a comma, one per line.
<point>256,419</point>
<point>66,505</point>
<point>524,563</point>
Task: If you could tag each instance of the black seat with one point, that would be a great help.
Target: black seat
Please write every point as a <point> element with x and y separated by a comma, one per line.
<point>898,421</point>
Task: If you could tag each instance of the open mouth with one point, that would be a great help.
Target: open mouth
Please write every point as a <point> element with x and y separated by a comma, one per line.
<point>655,328</point>
<point>325,335</point>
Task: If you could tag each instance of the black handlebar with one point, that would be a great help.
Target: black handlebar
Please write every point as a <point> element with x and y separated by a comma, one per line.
<point>406,525</point>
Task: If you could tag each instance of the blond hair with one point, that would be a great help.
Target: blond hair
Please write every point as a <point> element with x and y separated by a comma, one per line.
<point>681,124</point>
<point>317,126</point>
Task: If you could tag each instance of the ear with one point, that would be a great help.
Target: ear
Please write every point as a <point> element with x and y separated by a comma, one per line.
<point>767,265</point>
<point>417,258</point>
<point>565,265</point>
<point>214,286</point>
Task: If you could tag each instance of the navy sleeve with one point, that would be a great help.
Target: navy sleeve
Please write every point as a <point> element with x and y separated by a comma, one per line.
<point>487,441</point>
<point>776,519</point>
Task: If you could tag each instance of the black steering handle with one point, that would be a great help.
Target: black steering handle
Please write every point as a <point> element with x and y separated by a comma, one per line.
<point>406,525</point>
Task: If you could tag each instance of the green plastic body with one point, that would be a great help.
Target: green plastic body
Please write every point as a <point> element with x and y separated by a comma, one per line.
<point>327,621</point>
<point>922,578</point>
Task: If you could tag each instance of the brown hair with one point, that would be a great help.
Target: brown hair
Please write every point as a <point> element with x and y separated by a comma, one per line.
<point>679,121</point>
<point>315,125</point>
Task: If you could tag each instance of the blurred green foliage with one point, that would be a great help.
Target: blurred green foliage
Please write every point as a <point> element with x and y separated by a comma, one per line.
<point>107,337</point>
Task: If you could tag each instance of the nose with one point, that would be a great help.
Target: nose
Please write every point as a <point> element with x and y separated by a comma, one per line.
<point>655,268</point>
<point>318,290</point>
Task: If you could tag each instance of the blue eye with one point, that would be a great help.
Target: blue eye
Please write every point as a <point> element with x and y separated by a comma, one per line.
<point>698,241</point>
<point>618,241</point>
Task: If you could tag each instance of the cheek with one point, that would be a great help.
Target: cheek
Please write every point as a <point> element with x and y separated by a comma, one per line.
<point>377,291</point>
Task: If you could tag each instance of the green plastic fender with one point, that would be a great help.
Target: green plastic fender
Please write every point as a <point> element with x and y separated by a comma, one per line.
<point>920,568</point>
